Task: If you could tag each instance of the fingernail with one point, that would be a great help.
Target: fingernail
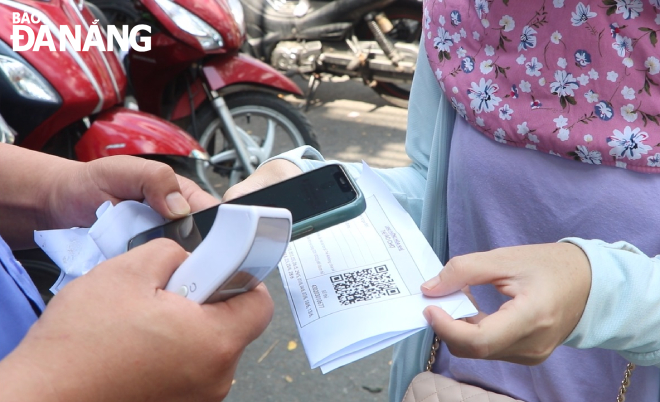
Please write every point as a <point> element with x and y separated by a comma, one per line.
<point>431,283</point>
<point>428,316</point>
<point>177,204</point>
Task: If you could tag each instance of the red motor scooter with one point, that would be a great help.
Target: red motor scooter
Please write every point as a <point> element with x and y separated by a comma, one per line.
<point>195,77</point>
<point>69,102</point>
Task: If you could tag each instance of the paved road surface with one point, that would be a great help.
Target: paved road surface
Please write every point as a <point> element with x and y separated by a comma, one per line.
<point>352,124</point>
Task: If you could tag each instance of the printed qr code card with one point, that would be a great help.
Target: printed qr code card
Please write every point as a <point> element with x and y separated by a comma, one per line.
<point>354,288</point>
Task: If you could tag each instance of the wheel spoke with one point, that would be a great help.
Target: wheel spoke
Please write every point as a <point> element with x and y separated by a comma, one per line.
<point>247,138</point>
<point>253,147</point>
<point>267,147</point>
<point>224,156</point>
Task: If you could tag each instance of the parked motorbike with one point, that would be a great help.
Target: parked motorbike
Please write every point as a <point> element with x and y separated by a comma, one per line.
<point>69,103</point>
<point>195,77</point>
<point>375,40</point>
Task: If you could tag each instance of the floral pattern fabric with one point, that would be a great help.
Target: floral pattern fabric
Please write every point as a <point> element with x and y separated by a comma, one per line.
<point>576,79</point>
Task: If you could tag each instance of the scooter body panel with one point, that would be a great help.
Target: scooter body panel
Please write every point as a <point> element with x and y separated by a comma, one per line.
<point>223,72</point>
<point>120,131</point>
<point>152,71</point>
<point>87,82</point>
<point>242,68</point>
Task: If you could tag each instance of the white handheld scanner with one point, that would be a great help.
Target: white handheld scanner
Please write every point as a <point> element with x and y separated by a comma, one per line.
<point>242,247</point>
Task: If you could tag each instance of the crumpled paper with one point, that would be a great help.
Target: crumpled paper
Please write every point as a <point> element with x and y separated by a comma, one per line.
<point>77,250</point>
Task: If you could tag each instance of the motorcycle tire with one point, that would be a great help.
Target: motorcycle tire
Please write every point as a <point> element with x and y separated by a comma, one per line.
<point>269,125</point>
<point>407,22</point>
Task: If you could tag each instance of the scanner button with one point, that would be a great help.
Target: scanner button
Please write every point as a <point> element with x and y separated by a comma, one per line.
<point>183,291</point>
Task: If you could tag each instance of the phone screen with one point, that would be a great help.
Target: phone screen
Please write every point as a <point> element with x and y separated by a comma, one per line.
<point>305,196</point>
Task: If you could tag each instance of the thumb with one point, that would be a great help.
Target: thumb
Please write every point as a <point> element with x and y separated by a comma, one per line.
<point>462,271</point>
<point>130,178</point>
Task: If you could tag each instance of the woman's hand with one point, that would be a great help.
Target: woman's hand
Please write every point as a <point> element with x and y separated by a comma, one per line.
<point>549,285</point>
<point>268,174</point>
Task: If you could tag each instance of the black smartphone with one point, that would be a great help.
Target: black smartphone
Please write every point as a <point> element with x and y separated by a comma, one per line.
<point>317,199</point>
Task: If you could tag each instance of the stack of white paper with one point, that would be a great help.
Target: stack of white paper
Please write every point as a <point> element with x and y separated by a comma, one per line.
<point>354,289</point>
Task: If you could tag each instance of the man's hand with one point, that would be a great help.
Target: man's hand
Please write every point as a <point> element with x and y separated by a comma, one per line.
<point>116,335</point>
<point>549,285</point>
<point>48,192</point>
<point>82,187</point>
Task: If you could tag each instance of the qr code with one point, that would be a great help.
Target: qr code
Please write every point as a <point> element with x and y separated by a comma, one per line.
<point>363,285</point>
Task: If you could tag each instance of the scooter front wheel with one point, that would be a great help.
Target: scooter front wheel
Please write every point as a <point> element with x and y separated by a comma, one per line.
<point>267,124</point>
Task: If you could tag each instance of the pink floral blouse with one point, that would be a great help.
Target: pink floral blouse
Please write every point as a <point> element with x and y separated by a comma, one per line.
<point>578,80</point>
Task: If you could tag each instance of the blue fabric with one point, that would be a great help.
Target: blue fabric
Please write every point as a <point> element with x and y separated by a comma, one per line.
<point>20,302</point>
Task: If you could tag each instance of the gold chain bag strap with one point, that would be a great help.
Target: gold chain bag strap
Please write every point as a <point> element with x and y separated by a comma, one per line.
<point>431,387</point>
<point>625,383</point>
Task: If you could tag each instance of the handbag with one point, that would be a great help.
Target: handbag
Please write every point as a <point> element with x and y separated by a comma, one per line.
<point>431,387</point>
